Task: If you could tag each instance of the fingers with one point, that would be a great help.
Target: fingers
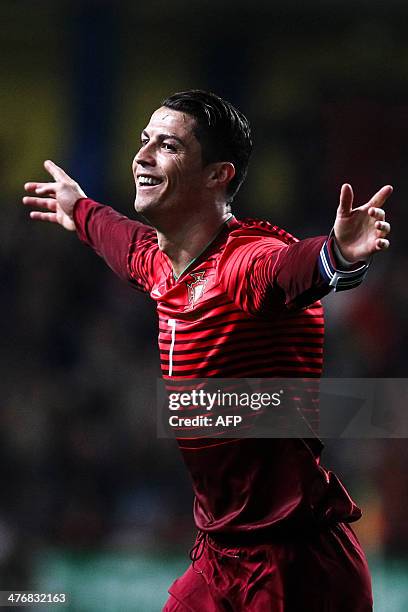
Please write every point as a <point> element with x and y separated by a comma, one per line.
<point>381,196</point>
<point>380,224</point>
<point>31,186</point>
<point>41,188</point>
<point>43,216</point>
<point>383,227</point>
<point>48,203</point>
<point>376,213</point>
<point>381,244</point>
<point>346,199</point>
<point>56,172</point>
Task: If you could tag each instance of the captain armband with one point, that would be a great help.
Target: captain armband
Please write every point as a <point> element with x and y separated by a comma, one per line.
<point>351,275</point>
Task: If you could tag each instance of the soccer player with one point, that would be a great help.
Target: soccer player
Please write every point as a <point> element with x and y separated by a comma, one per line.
<point>236,299</point>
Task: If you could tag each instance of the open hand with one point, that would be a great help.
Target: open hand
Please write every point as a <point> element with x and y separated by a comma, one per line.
<point>361,231</point>
<point>58,198</point>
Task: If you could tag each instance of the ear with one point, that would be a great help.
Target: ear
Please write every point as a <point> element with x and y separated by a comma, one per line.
<point>220,174</point>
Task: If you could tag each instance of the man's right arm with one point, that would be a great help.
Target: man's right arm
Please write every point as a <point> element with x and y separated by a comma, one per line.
<point>128,247</point>
<point>115,238</point>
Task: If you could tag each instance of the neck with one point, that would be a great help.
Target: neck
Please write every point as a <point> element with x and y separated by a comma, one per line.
<point>186,240</point>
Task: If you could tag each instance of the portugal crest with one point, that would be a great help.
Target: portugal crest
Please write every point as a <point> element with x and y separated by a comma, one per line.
<point>196,288</point>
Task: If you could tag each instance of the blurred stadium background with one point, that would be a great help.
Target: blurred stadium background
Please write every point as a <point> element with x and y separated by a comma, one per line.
<point>92,502</point>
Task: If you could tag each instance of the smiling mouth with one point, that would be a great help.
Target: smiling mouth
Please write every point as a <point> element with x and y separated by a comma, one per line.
<point>148,181</point>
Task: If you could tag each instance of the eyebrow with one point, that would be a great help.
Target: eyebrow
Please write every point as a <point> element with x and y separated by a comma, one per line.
<point>165,136</point>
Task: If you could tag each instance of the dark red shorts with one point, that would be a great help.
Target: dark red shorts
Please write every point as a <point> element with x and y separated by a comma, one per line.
<point>326,572</point>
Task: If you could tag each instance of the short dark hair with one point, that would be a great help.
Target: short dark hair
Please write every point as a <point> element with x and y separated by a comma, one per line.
<point>222,130</point>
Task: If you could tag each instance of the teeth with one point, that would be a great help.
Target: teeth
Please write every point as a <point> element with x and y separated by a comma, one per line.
<point>148,180</point>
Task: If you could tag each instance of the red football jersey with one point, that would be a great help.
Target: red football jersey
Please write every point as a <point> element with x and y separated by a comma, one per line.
<point>247,306</point>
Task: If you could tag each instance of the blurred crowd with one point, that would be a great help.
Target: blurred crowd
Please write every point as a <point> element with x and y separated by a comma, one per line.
<point>80,462</point>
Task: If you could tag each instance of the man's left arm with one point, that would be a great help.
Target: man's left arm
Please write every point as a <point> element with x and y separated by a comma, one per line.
<point>358,233</point>
<point>305,271</point>
<point>343,260</point>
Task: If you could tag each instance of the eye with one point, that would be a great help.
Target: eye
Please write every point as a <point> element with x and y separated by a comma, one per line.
<point>144,141</point>
<point>169,147</point>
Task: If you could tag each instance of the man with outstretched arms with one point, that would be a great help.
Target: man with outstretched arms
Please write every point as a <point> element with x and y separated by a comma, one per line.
<point>236,299</point>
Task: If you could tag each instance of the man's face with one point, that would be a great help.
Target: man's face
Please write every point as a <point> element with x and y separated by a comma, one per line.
<point>168,169</point>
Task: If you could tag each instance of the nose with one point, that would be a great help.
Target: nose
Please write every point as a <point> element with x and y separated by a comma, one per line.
<point>145,156</point>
